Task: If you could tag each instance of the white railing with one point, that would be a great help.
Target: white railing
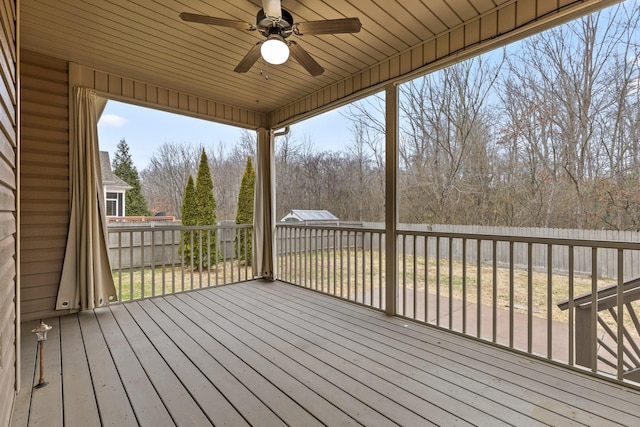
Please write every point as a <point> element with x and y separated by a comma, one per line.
<point>502,289</point>
<point>150,260</point>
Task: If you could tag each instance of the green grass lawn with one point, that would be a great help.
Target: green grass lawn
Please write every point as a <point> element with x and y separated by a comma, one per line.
<point>356,271</point>
<point>139,283</point>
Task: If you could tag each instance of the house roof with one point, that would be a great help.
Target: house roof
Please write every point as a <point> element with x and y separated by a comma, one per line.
<point>313,215</point>
<point>108,177</point>
<point>133,50</point>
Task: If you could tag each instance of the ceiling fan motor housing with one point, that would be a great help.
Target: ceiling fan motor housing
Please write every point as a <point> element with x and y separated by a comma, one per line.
<point>267,25</point>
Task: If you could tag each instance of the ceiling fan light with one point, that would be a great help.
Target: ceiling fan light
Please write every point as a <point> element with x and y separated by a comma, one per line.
<point>274,50</point>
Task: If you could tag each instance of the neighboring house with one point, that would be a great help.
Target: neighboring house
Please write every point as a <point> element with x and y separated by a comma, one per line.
<point>114,188</point>
<point>309,216</point>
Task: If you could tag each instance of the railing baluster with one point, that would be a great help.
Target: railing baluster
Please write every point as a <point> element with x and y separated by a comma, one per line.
<point>173,260</point>
<point>415,278</point>
<point>438,280</point>
<point>224,261</point>
<point>593,339</point>
<point>192,262</point>
<point>216,258</point>
<point>182,258</point>
<point>450,283</point>
<point>153,263</point>
<point>237,252</point>
<point>364,264</point>
<point>511,292</point>
<point>479,288</point>
<point>335,268</point>
<point>306,269</point>
<point>620,311</point>
<point>426,278</point>
<point>404,275</point>
<point>246,253</point>
<point>285,271</point>
<point>322,260</point>
<point>142,291</point>
<point>355,266</point>
<point>371,269</point>
<point>313,259</point>
<point>164,266</point>
<point>571,307</point>
<point>131,295</point>
<point>341,265</point>
<point>200,259</point>
<point>348,265</point>
<point>120,266</point>
<point>494,302</point>
<point>464,285</point>
<point>529,297</point>
<point>380,269</point>
<point>549,301</point>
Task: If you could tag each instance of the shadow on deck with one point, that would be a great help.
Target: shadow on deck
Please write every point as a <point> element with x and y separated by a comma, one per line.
<point>268,354</point>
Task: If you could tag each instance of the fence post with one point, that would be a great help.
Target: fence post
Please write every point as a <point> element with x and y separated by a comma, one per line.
<point>584,327</point>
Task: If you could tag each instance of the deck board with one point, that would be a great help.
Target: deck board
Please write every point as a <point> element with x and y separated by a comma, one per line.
<point>201,347</point>
<point>402,390</point>
<point>271,354</point>
<point>111,397</point>
<point>451,362</point>
<point>299,362</point>
<point>382,358</point>
<point>76,387</point>
<point>45,407</point>
<point>179,403</point>
<point>27,371</point>
<point>199,385</point>
<point>546,385</point>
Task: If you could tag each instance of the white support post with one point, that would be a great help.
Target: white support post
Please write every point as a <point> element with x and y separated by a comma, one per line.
<point>391,199</point>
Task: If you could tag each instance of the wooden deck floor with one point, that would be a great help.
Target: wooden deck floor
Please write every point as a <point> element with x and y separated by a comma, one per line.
<point>271,354</point>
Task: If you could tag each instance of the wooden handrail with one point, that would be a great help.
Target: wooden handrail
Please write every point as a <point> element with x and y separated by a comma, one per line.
<point>631,290</point>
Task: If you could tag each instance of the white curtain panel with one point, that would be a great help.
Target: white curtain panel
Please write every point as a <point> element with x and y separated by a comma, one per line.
<point>86,280</point>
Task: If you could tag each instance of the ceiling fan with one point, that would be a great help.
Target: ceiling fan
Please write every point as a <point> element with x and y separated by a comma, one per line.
<point>276,25</point>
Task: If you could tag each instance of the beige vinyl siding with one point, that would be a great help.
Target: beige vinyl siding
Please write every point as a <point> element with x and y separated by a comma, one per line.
<point>44,181</point>
<point>8,187</point>
<point>128,90</point>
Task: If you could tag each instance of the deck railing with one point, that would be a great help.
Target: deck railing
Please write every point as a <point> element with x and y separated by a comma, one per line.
<point>150,259</point>
<point>604,310</point>
<point>344,262</point>
<point>498,288</point>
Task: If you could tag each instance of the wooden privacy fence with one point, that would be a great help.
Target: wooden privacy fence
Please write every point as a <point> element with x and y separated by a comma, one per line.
<point>607,258</point>
<point>136,245</point>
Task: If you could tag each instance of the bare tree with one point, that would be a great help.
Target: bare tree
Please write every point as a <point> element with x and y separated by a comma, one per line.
<point>569,109</point>
<point>165,177</point>
<point>446,136</point>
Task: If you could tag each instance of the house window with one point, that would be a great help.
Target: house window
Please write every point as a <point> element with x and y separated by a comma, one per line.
<point>115,204</point>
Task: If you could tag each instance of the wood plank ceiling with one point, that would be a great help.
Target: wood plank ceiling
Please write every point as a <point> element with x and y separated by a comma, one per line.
<point>146,41</point>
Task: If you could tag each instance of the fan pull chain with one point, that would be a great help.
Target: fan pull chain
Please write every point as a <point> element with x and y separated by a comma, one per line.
<point>265,74</point>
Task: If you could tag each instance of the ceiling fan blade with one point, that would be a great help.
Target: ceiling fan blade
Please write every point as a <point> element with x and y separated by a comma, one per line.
<point>221,22</point>
<point>249,59</point>
<point>304,59</point>
<point>272,8</point>
<point>328,26</point>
